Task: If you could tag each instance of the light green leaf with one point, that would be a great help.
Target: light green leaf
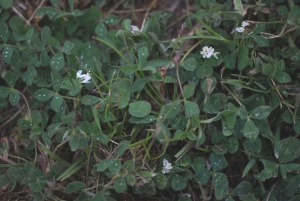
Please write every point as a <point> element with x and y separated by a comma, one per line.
<point>56,103</point>
<point>112,20</point>
<point>68,46</point>
<point>6,53</point>
<point>139,108</point>
<point>129,69</point>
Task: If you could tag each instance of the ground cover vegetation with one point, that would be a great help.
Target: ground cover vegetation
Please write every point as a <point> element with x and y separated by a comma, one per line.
<point>154,100</point>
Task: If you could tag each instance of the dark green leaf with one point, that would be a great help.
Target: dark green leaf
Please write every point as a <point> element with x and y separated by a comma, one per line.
<point>14,97</point>
<point>89,100</point>
<point>250,130</point>
<point>43,94</point>
<point>189,90</point>
<point>270,170</point>
<point>260,112</point>
<point>178,183</point>
<point>191,109</point>
<point>74,187</point>
<point>189,64</point>
<point>260,41</point>
<point>120,184</point>
<point>7,53</point>
<point>221,184</point>
<point>57,62</point>
<point>4,33</point>
<point>282,77</point>
<point>218,162</point>
<point>288,149</point>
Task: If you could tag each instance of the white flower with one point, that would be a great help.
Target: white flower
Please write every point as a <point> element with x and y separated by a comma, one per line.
<point>135,30</point>
<point>167,166</point>
<point>242,28</point>
<point>207,52</point>
<point>83,78</point>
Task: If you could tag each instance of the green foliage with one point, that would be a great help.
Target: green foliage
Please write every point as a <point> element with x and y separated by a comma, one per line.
<point>96,107</point>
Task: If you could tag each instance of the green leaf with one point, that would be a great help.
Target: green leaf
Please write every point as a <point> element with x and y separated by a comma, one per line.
<point>268,69</point>
<point>202,176</point>
<point>243,188</point>
<point>57,62</point>
<point>6,3</point>
<point>53,42</point>
<point>178,183</point>
<point>285,168</point>
<point>51,12</point>
<point>229,117</point>
<point>6,53</point>
<point>208,85</point>
<point>68,46</point>
<point>4,92</point>
<point>293,17</point>
<point>288,149</point>
<point>139,84</point>
<point>259,27</point>
<point>44,58</point>
<point>242,56</point>
<point>56,80</point>
<point>260,112</point>
<point>128,165</point>
<point>139,108</point>
<point>142,55</point>
<point>43,94</point>
<point>112,20</point>
<point>282,77</point>
<point>129,69</point>
<point>74,187</point>
<point>103,165</point>
<point>260,41</point>
<point>89,100</point>
<point>250,130</point>
<point>218,162</point>
<point>114,166</point>
<point>270,170</point>
<point>189,64</point>
<point>120,184</point>
<point>220,182</point>
<point>160,181</point>
<point>123,145</point>
<point>191,109</point>
<point>36,180</point>
<point>170,110</point>
<point>56,103</point>
<point>164,134</point>
<point>4,181</point>
<point>142,120</point>
<point>230,61</point>
<point>189,90</point>
<point>4,33</point>
<point>11,78</point>
<point>101,30</point>
<point>232,144</point>
<point>253,146</point>
<point>24,124</point>
<point>249,166</point>
<point>14,97</point>
<point>121,92</point>
<point>204,71</point>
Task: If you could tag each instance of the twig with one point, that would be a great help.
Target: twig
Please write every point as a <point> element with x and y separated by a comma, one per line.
<point>32,16</point>
<point>20,15</point>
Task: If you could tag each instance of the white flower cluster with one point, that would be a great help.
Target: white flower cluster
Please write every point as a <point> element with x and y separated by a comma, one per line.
<point>242,28</point>
<point>167,166</point>
<point>207,52</point>
<point>83,78</point>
